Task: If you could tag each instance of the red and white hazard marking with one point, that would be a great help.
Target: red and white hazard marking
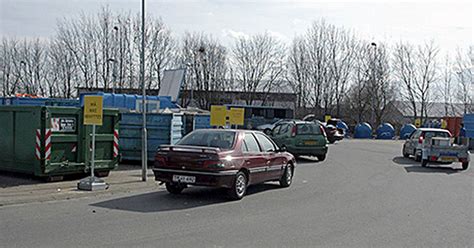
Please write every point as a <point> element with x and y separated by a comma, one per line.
<point>116,145</point>
<point>38,144</point>
<point>47,144</point>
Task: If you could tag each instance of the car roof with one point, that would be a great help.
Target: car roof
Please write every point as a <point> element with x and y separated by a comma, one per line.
<point>226,130</point>
<point>433,130</point>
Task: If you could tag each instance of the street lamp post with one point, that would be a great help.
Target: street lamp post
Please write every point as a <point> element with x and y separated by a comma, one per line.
<point>374,78</point>
<point>114,73</point>
<point>142,78</point>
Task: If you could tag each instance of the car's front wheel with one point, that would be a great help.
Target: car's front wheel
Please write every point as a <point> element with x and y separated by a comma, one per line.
<point>405,154</point>
<point>174,188</point>
<point>239,188</point>
<point>287,177</point>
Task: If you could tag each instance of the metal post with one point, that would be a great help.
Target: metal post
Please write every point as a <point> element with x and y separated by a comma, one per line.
<point>93,153</point>
<point>142,75</point>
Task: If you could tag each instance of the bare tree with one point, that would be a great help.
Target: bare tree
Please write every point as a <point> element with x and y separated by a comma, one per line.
<point>446,86</point>
<point>298,71</point>
<point>417,70</point>
<point>464,68</point>
<point>258,63</point>
<point>206,62</point>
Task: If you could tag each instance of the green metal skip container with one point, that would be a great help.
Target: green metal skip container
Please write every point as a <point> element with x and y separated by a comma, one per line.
<point>52,141</point>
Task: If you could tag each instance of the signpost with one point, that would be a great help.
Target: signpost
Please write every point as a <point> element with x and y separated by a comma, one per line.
<point>418,122</point>
<point>218,115</point>
<point>93,115</point>
<point>236,116</point>
<point>327,118</point>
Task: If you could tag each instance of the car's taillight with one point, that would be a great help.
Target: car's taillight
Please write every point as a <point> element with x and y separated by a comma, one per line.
<point>420,140</point>
<point>433,158</point>
<point>160,159</point>
<point>293,131</point>
<point>214,164</point>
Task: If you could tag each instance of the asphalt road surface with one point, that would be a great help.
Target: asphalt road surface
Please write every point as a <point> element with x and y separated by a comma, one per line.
<point>364,195</point>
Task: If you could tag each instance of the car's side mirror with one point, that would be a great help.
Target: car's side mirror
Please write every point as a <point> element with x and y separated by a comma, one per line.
<point>282,149</point>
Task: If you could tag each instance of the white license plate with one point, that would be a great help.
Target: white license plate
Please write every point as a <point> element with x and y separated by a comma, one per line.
<point>448,159</point>
<point>184,179</point>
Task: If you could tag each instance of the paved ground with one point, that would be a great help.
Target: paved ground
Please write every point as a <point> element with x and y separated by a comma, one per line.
<point>363,195</point>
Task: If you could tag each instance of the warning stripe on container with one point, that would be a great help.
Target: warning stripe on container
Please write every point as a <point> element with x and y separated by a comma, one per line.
<point>116,145</point>
<point>38,144</point>
<point>47,144</point>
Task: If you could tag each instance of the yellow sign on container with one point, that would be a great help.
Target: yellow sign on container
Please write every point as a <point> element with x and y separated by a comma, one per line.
<point>218,115</point>
<point>444,124</point>
<point>327,118</point>
<point>418,122</point>
<point>93,111</point>
<point>236,116</point>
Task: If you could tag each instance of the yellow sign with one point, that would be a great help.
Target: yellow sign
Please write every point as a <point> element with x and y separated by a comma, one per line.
<point>327,118</point>
<point>93,111</point>
<point>444,124</point>
<point>418,122</point>
<point>236,116</point>
<point>218,115</point>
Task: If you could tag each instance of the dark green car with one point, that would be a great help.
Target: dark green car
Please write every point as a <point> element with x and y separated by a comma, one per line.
<point>302,138</point>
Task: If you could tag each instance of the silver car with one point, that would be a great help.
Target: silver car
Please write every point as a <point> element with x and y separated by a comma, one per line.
<point>413,145</point>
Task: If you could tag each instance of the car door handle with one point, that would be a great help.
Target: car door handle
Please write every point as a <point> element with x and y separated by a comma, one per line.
<point>268,161</point>
<point>247,161</point>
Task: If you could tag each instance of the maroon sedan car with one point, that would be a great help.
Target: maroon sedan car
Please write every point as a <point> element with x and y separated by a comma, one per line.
<point>233,159</point>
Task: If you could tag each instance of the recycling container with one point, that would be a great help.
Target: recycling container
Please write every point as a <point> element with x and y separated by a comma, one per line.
<point>363,131</point>
<point>407,130</point>
<point>162,129</point>
<point>385,131</point>
<point>51,141</point>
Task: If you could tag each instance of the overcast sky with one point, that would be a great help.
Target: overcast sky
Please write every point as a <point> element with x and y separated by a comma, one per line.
<point>449,23</point>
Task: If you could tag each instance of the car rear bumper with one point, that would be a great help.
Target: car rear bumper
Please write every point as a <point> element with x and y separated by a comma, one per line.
<point>315,151</point>
<point>223,179</point>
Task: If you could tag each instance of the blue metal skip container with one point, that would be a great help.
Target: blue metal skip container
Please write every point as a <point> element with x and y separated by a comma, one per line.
<point>406,131</point>
<point>468,121</point>
<point>385,131</point>
<point>163,129</point>
<point>132,102</point>
<point>363,131</point>
<point>342,125</point>
<point>29,101</point>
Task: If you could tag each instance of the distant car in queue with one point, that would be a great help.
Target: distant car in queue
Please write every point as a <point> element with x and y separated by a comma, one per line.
<point>414,144</point>
<point>232,159</point>
<point>302,138</point>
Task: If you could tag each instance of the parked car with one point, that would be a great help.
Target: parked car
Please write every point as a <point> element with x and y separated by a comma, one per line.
<point>267,128</point>
<point>414,144</point>
<point>232,159</point>
<point>333,133</point>
<point>302,138</point>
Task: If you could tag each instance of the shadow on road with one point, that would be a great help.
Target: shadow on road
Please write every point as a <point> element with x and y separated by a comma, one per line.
<point>307,160</point>
<point>419,169</point>
<point>416,166</point>
<point>163,201</point>
<point>405,161</point>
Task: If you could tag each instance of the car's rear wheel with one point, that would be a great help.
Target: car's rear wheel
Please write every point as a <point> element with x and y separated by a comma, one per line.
<point>321,157</point>
<point>239,188</point>
<point>287,177</point>
<point>174,188</point>
<point>465,165</point>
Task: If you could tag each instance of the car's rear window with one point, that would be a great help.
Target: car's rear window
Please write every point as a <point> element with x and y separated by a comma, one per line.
<point>221,139</point>
<point>307,129</point>
<point>431,134</point>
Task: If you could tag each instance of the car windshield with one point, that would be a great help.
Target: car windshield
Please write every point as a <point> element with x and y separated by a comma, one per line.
<point>220,139</point>
<point>308,128</point>
<point>432,134</point>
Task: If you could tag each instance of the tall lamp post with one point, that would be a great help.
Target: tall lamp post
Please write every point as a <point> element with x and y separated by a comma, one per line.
<point>142,78</point>
<point>374,78</point>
